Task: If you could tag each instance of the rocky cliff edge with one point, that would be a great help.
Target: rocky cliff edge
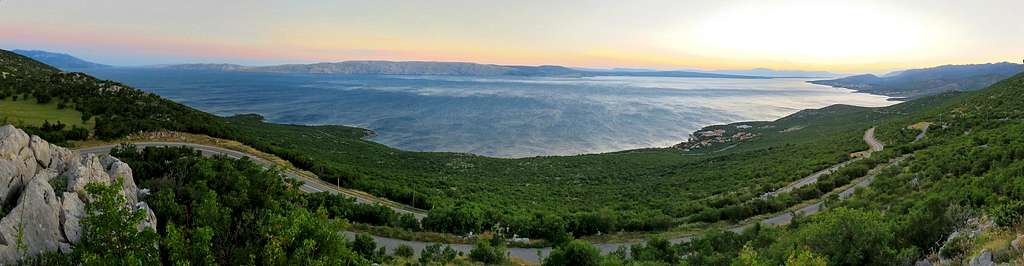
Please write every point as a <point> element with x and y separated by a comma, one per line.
<point>42,190</point>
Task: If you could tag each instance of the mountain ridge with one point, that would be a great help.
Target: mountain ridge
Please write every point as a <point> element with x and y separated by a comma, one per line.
<point>914,83</point>
<point>59,60</point>
<point>386,67</point>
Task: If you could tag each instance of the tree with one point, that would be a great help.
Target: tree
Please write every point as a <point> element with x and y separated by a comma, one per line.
<point>109,233</point>
<point>574,253</point>
<point>404,251</point>
<point>657,249</point>
<point>749,257</point>
<point>364,245</point>
<point>805,258</point>
<point>434,253</point>
<point>488,253</point>
<point>194,249</point>
<point>845,236</point>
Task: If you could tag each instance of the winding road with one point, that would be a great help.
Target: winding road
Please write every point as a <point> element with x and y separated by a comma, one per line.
<point>869,137</point>
<point>535,254</point>
<point>310,184</point>
<point>313,184</point>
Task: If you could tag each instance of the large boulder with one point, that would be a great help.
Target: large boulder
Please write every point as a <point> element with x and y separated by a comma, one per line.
<point>12,140</point>
<point>45,218</point>
<point>1018,243</point>
<point>33,226</point>
<point>41,150</point>
<point>983,259</point>
<point>117,169</point>
<point>72,212</point>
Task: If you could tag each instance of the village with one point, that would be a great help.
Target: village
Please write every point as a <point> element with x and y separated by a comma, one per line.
<point>709,137</point>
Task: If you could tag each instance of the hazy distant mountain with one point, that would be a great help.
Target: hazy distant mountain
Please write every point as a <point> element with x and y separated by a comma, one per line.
<point>445,68</point>
<point>766,72</point>
<point>59,60</point>
<point>212,67</point>
<point>920,82</point>
<point>673,73</point>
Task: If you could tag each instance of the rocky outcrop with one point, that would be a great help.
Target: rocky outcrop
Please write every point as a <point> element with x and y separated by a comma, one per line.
<point>1018,243</point>
<point>983,259</point>
<point>43,187</point>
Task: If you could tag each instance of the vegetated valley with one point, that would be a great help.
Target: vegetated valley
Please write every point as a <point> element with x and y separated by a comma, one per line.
<point>964,176</point>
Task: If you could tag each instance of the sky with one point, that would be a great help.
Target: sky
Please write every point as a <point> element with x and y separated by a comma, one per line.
<point>838,36</point>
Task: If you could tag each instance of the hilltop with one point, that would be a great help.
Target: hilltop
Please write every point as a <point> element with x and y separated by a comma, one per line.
<point>927,81</point>
<point>59,60</point>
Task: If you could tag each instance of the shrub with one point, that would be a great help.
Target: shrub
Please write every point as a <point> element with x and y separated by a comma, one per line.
<point>404,251</point>
<point>956,247</point>
<point>1008,214</point>
<point>487,253</point>
<point>575,253</point>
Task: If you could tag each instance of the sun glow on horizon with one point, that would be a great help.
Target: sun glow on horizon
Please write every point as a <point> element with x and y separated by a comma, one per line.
<point>814,31</point>
<point>843,36</point>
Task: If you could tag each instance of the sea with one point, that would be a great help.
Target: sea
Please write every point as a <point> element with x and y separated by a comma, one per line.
<point>503,116</point>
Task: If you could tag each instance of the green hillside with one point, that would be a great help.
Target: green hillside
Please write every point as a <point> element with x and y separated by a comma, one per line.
<point>965,176</point>
<point>969,167</point>
<point>639,190</point>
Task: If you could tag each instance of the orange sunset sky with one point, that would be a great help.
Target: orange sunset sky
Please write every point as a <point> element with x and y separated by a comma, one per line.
<point>839,36</point>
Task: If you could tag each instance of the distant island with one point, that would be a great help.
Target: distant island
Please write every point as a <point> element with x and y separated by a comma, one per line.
<point>446,68</point>
<point>916,83</point>
<point>376,67</point>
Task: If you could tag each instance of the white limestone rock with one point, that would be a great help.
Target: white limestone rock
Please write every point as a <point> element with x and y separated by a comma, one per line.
<point>28,165</point>
<point>120,170</point>
<point>1018,243</point>
<point>35,218</point>
<point>89,170</point>
<point>983,259</point>
<point>41,150</point>
<point>150,221</point>
<point>72,212</point>
<point>12,140</point>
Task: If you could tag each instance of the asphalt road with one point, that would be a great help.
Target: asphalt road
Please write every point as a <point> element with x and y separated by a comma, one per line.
<point>924,131</point>
<point>310,184</point>
<point>869,137</point>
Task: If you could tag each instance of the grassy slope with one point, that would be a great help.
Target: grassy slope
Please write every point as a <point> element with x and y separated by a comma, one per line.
<point>28,112</point>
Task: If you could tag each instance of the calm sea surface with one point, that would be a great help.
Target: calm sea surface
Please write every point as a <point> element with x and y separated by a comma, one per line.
<point>495,116</point>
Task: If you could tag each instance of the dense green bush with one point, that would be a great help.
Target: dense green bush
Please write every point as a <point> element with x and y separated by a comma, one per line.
<point>489,251</point>
<point>574,253</point>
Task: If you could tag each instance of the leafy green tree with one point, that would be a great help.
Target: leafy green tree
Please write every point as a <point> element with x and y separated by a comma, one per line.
<point>434,253</point>
<point>574,253</point>
<point>109,230</point>
<point>303,238</point>
<point>1008,214</point>
<point>749,257</point>
<point>805,258</point>
<point>193,249</point>
<point>845,236</point>
<point>404,251</point>
<point>364,245</point>
<point>656,249</point>
<point>487,252</point>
